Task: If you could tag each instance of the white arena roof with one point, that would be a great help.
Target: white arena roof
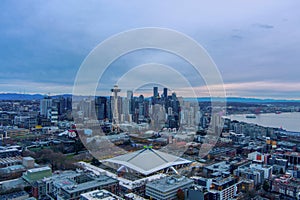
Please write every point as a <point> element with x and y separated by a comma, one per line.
<point>145,161</point>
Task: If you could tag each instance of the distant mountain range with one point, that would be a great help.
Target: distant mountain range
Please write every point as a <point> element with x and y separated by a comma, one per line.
<point>16,96</point>
<point>246,100</point>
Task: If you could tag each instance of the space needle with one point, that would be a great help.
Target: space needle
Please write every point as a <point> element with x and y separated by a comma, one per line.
<point>115,91</point>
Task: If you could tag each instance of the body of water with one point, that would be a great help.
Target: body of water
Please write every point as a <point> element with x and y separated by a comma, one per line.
<point>289,121</point>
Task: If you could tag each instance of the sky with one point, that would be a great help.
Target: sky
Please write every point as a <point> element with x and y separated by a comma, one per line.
<point>254,44</point>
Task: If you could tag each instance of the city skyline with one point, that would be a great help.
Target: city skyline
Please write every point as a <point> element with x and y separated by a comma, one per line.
<point>45,43</point>
<point>137,100</point>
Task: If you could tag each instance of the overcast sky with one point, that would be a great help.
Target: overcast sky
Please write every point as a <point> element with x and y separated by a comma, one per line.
<point>255,44</point>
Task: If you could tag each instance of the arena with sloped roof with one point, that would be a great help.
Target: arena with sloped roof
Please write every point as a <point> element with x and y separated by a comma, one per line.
<point>146,161</point>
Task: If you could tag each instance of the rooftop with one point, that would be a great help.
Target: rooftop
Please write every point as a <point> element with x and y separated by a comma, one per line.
<point>10,160</point>
<point>72,186</point>
<point>12,169</point>
<point>100,194</point>
<point>169,183</point>
<point>8,150</point>
<point>122,181</point>
<point>28,158</point>
<point>15,195</point>
<point>40,169</point>
<point>220,166</point>
<point>222,181</point>
<point>219,150</point>
<point>36,174</point>
<point>134,196</point>
<point>146,161</point>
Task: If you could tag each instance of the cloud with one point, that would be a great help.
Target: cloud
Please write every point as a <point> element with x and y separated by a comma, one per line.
<point>289,90</point>
<point>44,42</point>
<point>34,87</point>
<point>238,37</point>
<point>264,26</point>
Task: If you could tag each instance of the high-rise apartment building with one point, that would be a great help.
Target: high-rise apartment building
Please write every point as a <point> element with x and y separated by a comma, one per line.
<point>155,92</point>
<point>100,106</point>
<point>165,93</point>
<point>45,105</point>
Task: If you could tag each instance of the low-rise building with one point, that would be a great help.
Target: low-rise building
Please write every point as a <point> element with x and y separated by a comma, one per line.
<point>287,186</point>
<point>216,169</point>
<point>78,185</point>
<point>9,152</point>
<point>279,165</point>
<point>13,167</point>
<point>221,151</point>
<point>167,187</point>
<point>34,176</point>
<point>246,185</point>
<point>256,172</point>
<point>246,172</point>
<point>224,188</point>
<point>67,184</point>
<point>22,195</point>
<point>267,169</point>
<point>292,157</point>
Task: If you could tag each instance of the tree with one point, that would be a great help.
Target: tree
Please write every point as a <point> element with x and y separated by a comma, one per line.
<point>180,194</point>
<point>281,171</point>
<point>251,193</point>
<point>95,162</point>
<point>57,160</point>
<point>201,132</point>
<point>266,186</point>
<point>28,153</point>
<point>78,146</point>
<point>27,189</point>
